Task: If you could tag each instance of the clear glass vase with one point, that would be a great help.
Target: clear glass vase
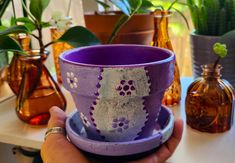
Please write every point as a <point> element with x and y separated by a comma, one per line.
<point>37,91</point>
<point>209,102</point>
<point>161,39</point>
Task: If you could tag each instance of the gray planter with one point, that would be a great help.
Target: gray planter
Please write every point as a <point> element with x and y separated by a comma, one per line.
<point>202,53</point>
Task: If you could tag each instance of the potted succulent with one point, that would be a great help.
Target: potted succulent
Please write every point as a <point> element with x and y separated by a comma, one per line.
<point>211,20</point>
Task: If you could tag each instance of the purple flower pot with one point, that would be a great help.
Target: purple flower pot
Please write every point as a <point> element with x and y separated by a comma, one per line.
<point>118,89</point>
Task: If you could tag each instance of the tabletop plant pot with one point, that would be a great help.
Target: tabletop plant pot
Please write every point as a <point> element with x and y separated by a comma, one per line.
<point>138,30</point>
<point>118,89</point>
<point>210,26</point>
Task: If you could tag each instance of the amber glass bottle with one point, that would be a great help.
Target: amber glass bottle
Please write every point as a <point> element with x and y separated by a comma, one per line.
<point>161,39</point>
<point>209,102</point>
<point>38,92</point>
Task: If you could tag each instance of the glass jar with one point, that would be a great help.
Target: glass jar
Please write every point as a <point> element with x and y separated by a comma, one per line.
<point>161,39</point>
<point>37,92</point>
<point>209,102</point>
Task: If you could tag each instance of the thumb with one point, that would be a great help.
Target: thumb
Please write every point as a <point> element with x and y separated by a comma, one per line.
<point>58,117</point>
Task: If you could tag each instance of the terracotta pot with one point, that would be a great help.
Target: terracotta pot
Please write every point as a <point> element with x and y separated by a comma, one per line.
<point>139,29</point>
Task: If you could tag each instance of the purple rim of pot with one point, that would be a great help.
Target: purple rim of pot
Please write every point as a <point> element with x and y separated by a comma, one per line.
<point>123,148</point>
<point>169,55</point>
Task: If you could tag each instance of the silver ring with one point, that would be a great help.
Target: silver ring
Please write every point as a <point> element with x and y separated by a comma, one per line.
<point>54,130</point>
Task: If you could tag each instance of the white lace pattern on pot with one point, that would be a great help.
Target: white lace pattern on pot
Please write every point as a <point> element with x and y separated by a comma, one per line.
<point>84,120</point>
<point>120,113</point>
<point>72,80</point>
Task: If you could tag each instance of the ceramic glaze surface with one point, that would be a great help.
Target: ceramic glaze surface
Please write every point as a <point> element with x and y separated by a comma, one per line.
<point>117,89</point>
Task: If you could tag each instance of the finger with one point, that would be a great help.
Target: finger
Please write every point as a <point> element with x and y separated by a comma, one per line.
<point>57,118</point>
<point>51,150</point>
<point>169,147</point>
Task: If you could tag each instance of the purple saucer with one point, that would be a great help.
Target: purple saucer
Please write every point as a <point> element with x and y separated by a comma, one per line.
<point>162,132</point>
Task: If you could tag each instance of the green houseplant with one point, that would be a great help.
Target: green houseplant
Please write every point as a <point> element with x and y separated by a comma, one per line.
<point>36,81</point>
<point>212,19</point>
<point>37,91</point>
<point>138,30</point>
<point>3,55</point>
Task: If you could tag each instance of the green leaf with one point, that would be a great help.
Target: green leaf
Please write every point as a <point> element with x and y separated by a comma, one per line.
<point>123,5</point>
<point>45,24</point>
<point>2,28</point>
<point>104,5</point>
<point>24,20</point>
<point>220,49</point>
<point>37,7</point>
<point>172,4</point>
<point>3,6</point>
<point>9,44</point>
<point>79,36</point>
<point>15,30</point>
<point>29,24</point>
<point>123,20</point>
<point>145,7</point>
<point>31,27</point>
<point>13,21</point>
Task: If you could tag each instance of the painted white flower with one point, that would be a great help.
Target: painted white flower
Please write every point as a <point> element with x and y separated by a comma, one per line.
<point>72,80</point>
<point>85,120</point>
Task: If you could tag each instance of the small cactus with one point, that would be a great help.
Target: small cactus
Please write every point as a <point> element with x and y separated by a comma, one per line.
<point>212,17</point>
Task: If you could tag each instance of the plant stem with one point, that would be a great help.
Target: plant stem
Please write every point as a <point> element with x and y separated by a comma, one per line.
<point>69,7</point>
<point>24,11</point>
<point>124,19</point>
<point>13,7</point>
<point>30,15</point>
<point>216,63</point>
<point>172,4</point>
<point>41,45</point>
<point>48,44</point>
<point>34,36</point>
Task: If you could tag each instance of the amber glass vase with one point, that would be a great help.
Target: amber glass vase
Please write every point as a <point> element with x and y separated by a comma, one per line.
<point>161,39</point>
<point>209,102</point>
<point>37,92</point>
<point>58,48</point>
<point>15,68</point>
